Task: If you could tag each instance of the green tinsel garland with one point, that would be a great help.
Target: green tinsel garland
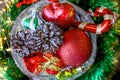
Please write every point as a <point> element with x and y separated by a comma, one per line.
<point>104,64</point>
<point>7,65</point>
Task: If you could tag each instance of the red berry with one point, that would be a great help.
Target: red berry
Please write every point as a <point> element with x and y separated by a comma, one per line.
<point>76,49</point>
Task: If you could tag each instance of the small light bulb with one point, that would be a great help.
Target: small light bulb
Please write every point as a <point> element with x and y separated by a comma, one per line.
<point>8,50</point>
<point>3,30</point>
<point>5,38</point>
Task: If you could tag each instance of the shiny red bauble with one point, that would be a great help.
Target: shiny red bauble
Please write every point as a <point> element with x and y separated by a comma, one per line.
<point>76,49</point>
<point>61,13</point>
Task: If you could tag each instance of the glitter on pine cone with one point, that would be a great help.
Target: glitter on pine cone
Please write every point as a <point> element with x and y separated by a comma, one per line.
<point>51,35</point>
<point>23,43</point>
<point>46,38</point>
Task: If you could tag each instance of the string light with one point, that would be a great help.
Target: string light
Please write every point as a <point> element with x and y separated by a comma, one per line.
<point>5,23</point>
<point>3,9</point>
<point>1,44</point>
<point>12,1</point>
<point>3,30</point>
<point>1,2</point>
<point>8,50</point>
<point>118,31</point>
<point>5,38</point>
<point>2,72</point>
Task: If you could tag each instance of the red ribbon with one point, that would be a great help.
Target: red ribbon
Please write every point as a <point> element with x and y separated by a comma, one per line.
<point>21,2</point>
<point>36,62</point>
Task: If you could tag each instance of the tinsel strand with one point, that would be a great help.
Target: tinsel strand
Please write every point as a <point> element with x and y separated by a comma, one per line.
<point>7,65</point>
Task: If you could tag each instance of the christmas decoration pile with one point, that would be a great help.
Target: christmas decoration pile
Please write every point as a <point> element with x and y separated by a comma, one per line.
<point>57,43</point>
<point>46,38</point>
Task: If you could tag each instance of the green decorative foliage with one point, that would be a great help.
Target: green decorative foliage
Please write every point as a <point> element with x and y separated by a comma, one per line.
<point>74,1</point>
<point>112,4</point>
<point>12,72</point>
<point>7,65</point>
<point>14,12</point>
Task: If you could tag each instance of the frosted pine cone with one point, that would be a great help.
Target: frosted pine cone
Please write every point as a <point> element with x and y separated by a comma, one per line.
<point>51,36</point>
<point>46,38</point>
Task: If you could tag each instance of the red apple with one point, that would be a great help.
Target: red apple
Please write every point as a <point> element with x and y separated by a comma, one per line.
<point>76,49</point>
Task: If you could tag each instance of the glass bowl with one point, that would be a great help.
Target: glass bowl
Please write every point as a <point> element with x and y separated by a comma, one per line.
<point>81,15</point>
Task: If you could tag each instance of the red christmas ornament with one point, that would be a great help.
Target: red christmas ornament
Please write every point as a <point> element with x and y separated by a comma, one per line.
<point>64,15</point>
<point>38,62</point>
<point>105,26</point>
<point>61,13</point>
<point>77,48</point>
<point>33,61</point>
<point>21,2</point>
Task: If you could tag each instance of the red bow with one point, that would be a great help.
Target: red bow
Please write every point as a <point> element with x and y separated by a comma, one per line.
<point>38,62</point>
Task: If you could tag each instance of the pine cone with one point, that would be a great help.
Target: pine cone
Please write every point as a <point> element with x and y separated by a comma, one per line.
<point>51,36</point>
<point>46,38</point>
